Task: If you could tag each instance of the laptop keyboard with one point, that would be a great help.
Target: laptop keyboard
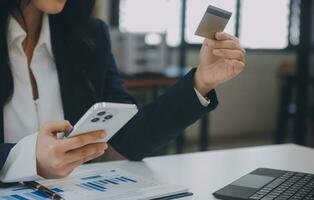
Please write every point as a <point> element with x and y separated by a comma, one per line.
<point>290,186</point>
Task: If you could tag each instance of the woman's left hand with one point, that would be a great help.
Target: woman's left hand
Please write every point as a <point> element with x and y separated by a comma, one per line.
<point>221,60</point>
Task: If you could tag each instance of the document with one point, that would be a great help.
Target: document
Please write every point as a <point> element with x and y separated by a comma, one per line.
<point>97,185</point>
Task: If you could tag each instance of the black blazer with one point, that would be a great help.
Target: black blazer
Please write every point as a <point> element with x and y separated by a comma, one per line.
<point>88,74</point>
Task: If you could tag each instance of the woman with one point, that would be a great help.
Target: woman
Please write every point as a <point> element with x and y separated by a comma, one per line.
<point>56,62</point>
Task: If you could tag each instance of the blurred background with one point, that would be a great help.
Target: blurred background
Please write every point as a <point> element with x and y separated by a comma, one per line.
<point>271,102</point>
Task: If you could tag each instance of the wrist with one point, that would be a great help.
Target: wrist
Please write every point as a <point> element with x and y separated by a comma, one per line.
<point>202,86</point>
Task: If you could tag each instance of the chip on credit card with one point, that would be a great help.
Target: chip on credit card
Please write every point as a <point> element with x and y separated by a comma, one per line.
<point>214,20</point>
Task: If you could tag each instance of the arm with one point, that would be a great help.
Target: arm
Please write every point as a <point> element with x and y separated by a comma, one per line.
<point>21,154</point>
<point>158,122</point>
<point>4,152</point>
<point>162,120</point>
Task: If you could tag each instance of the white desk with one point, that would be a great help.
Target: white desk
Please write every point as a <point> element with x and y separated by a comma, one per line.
<point>204,173</point>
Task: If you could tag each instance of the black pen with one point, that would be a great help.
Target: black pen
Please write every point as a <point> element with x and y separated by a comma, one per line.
<point>37,186</point>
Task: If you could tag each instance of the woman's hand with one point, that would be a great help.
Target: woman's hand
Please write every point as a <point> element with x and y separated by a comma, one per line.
<point>57,158</point>
<point>220,60</point>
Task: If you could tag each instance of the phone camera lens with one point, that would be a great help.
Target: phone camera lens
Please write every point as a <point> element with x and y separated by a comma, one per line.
<point>95,120</point>
<point>101,113</point>
<point>108,117</point>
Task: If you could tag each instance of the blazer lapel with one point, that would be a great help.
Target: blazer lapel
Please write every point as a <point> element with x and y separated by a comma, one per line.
<point>1,127</point>
<point>6,82</point>
<point>61,60</point>
<point>75,92</point>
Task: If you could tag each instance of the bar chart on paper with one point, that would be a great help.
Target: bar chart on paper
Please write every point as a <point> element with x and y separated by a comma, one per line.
<point>23,193</point>
<point>101,184</point>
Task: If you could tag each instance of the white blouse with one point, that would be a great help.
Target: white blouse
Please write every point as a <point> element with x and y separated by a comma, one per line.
<point>22,116</point>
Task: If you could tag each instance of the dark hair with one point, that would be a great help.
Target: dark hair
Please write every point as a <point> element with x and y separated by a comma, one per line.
<point>75,13</point>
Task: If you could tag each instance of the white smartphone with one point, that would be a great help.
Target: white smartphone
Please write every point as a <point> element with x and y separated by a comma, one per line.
<point>110,117</point>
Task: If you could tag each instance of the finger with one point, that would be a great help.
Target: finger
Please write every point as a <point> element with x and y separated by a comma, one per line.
<point>78,163</point>
<point>226,44</point>
<point>229,54</point>
<point>57,126</point>
<point>82,140</point>
<point>225,36</point>
<point>236,65</point>
<point>86,151</point>
<point>209,42</point>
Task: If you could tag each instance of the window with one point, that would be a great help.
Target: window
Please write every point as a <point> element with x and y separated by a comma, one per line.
<point>151,16</point>
<point>265,24</point>
<point>195,12</point>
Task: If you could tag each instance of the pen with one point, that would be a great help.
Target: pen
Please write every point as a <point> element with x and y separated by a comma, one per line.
<point>37,186</point>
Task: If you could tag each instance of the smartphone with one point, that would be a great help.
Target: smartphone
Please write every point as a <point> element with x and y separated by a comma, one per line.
<point>110,117</point>
<point>214,20</point>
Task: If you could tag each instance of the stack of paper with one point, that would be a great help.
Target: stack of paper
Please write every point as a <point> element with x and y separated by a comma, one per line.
<point>100,184</point>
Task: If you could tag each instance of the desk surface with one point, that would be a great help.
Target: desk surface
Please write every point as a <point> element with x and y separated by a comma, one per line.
<point>204,173</point>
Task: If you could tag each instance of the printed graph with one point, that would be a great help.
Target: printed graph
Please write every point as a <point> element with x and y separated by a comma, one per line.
<point>96,184</point>
<point>22,193</point>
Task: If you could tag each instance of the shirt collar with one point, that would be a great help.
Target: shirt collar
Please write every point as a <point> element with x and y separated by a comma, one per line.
<point>17,34</point>
<point>15,31</point>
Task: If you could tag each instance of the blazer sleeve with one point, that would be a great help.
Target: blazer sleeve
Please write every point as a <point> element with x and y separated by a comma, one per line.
<point>160,121</point>
<point>4,153</point>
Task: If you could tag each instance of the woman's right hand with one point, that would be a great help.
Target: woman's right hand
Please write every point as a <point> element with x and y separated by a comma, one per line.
<point>57,158</point>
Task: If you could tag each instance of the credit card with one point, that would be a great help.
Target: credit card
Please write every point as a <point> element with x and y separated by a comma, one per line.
<point>214,20</point>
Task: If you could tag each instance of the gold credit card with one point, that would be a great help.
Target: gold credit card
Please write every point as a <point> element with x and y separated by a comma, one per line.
<point>214,20</point>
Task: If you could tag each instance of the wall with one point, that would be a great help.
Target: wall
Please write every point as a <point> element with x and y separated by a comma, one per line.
<point>249,104</point>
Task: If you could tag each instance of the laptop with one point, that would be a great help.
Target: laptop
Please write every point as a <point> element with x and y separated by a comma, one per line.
<point>270,184</point>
